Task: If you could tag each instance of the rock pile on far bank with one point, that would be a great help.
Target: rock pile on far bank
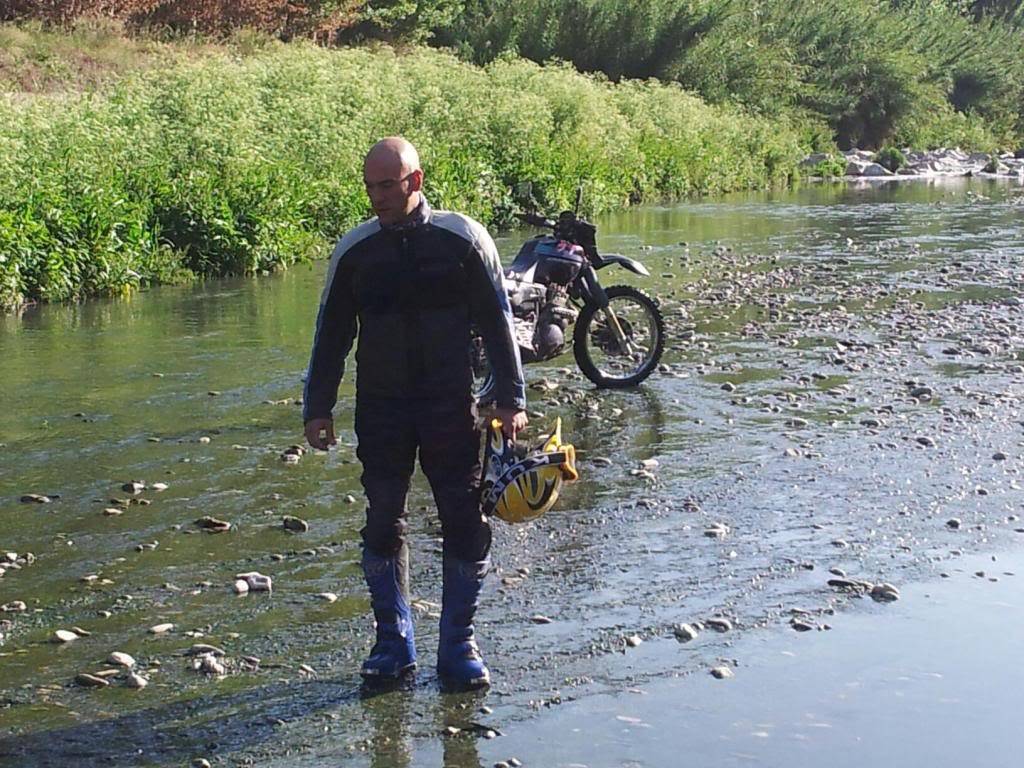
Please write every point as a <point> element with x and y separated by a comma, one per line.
<point>862,163</point>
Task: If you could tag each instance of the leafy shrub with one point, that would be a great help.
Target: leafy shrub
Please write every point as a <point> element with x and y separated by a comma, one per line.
<point>243,165</point>
<point>891,158</point>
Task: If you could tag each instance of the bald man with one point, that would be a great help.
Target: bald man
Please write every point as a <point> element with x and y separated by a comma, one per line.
<point>410,283</point>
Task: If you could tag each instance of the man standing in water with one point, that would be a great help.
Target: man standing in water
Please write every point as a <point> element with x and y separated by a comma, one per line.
<point>411,282</point>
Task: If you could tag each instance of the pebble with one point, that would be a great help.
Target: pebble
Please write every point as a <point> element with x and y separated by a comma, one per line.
<point>539,619</point>
<point>800,625</point>
<point>35,498</point>
<point>885,593</point>
<point>954,523</point>
<point>719,624</point>
<point>201,762</point>
<point>158,487</point>
<point>633,641</point>
<point>241,587</point>
<point>121,660</point>
<point>257,581</point>
<point>601,461</point>
<point>721,673</point>
<point>296,524</point>
<point>15,606</point>
<point>64,636</point>
<point>729,387</point>
<point>91,681</point>
<point>134,486</point>
<point>136,681</point>
<point>926,441</point>
<point>329,597</point>
<point>213,525</point>
<point>684,632</point>
<point>160,629</point>
<point>113,512</point>
<point>717,531</point>
<point>999,456</point>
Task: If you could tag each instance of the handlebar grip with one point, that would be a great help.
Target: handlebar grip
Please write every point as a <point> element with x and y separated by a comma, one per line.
<point>535,220</point>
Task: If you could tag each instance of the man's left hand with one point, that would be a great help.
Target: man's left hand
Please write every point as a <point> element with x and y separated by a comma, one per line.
<point>512,420</point>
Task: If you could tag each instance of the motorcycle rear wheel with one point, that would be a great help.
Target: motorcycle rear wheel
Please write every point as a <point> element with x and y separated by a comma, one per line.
<point>598,352</point>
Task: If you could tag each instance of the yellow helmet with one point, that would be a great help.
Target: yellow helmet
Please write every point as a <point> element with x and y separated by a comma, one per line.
<point>521,485</point>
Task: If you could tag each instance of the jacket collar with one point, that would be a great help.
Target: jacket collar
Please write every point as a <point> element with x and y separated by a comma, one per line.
<point>419,217</point>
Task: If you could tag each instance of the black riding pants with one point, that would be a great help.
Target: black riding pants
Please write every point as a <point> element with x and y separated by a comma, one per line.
<point>443,431</point>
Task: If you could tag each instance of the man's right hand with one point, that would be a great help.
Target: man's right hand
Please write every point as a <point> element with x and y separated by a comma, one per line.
<point>320,433</point>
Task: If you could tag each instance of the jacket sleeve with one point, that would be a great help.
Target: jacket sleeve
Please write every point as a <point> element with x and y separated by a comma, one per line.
<point>332,340</point>
<point>493,317</point>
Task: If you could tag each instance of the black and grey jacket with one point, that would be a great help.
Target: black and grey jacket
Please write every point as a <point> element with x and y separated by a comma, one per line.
<point>412,292</point>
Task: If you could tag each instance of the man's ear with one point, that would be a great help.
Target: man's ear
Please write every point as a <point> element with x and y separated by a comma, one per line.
<point>416,180</point>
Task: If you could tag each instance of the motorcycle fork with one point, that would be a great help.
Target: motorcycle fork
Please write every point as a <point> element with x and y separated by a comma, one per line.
<point>592,291</point>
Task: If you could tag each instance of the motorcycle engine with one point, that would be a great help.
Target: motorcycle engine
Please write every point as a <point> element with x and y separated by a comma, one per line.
<point>554,317</point>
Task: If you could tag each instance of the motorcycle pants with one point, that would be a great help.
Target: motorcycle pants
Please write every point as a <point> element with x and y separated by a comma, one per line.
<point>390,433</point>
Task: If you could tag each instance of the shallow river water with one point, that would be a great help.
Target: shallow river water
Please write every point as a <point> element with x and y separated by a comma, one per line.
<point>842,390</point>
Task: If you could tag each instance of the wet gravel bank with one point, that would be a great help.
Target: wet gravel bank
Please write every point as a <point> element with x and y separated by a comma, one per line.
<point>840,402</point>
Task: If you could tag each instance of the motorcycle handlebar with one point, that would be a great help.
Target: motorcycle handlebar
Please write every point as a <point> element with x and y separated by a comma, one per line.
<point>536,220</point>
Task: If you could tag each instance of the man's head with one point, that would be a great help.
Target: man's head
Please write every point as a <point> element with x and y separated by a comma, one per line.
<point>393,179</point>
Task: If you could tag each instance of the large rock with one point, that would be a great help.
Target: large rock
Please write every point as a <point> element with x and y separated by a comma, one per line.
<point>874,169</point>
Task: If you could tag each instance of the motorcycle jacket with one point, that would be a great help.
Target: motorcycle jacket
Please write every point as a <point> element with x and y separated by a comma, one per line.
<point>411,292</point>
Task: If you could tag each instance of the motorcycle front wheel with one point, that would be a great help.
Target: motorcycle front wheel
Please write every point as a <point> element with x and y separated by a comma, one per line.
<point>619,346</point>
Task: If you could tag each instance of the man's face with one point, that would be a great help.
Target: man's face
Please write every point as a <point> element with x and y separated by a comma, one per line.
<point>393,189</point>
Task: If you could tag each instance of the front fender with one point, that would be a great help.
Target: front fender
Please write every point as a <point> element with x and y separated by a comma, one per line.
<point>632,265</point>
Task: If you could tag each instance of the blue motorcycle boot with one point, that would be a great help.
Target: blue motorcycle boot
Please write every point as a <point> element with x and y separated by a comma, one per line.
<point>394,653</point>
<point>459,662</point>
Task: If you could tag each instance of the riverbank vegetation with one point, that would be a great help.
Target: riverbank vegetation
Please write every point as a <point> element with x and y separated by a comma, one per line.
<point>240,163</point>
<point>147,141</point>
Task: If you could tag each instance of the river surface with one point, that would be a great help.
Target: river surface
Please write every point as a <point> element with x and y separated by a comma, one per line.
<point>842,389</point>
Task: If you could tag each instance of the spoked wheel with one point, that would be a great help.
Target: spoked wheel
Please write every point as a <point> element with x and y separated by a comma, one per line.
<point>620,346</point>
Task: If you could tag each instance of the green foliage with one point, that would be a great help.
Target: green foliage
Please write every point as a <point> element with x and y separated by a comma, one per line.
<point>243,165</point>
<point>866,68</point>
<point>891,158</point>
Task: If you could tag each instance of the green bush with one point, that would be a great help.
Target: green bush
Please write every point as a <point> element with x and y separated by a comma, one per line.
<point>243,165</point>
<point>891,158</point>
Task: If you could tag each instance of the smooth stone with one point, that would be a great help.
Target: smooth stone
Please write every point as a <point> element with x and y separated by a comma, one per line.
<point>954,523</point>
<point>885,593</point>
<point>35,498</point>
<point>721,673</point>
<point>296,524</point>
<point>91,681</point>
<point>64,636</point>
<point>15,606</point>
<point>728,386</point>
<point>200,762</point>
<point>121,660</point>
<point>926,441</point>
<point>684,633</point>
<point>601,461</point>
<point>136,681</point>
<point>718,624</point>
<point>329,597</point>
<point>634,640</point>
<point>112,512</point>
<point>717,531</point>
<point>133,487</point>
<point>160,629</point>
<point>241,587</point>
<point>257,581</point>
<point>213,525</point>
<point>540,619</point>
<point>158,487</point>
<point>801,626</point>
<point>999,456</point>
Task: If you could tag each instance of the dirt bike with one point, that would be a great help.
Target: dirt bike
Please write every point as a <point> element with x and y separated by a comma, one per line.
<point>619,332</point>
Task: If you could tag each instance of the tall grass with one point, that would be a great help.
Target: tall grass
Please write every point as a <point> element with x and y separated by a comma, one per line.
<point>873,70</point>
<point>239,165</point>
